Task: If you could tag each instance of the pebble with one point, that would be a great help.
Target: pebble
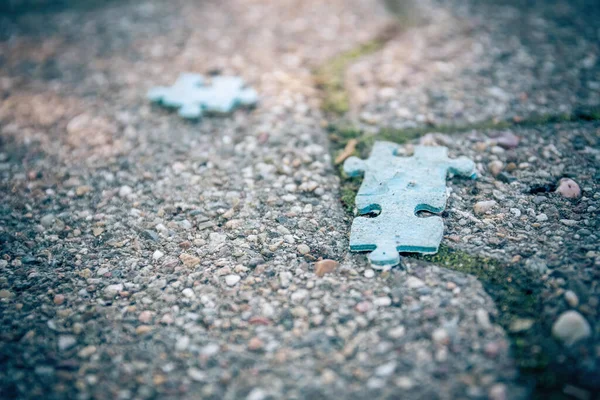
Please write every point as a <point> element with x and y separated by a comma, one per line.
<point>496,167</point>
<point>483,318</point>
<point>145,317</point>
<point>255,344</point>
<point>507,140</point>
<point>182,343</point>
<point>542,218</point>
<point>369,273</point>
<point>414,283</point>
<point>87,351</point>
<point>59,299</point>
<point>440,336</point>
<point>5,294</point>
<point>386,369</point>
<point>143,329</point>
<point>125,191</point>
<point>112,290</point>
<point>568,188</point>
<point>325,267</point>
<point>189,260</point>
<point>481,207</point>
<point>257,394</point>
<point>157,255</point>
<point>196,375</point>
<point>383,301</point>
<point>48,220</point>
<point>498,392</point>
<point>521,324</point>
<point>189,293</point>
<point>232,280</point>
<point>570,327</point>
<point>397,332</point>
<point>65,342</point>
<point>303,249</point>
<point>571,298</point>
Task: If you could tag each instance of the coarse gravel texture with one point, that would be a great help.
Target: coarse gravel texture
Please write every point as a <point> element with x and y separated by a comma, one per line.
<point>148,257</point>
<point>465,62</point>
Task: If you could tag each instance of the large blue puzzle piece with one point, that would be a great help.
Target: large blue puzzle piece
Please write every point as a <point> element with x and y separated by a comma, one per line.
<point>192,96</point>
<point>398,188</point>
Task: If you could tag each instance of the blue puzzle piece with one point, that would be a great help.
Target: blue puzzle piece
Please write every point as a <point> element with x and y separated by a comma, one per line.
<point>399,188</point>
<point>192,96</point>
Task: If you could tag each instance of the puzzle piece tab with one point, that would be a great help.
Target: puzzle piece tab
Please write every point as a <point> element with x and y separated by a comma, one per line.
<point>192,96</point>
<point>399,188</point>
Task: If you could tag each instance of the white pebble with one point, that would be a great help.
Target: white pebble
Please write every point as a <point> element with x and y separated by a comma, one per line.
<point>570,327</point>
<point>232,280</point>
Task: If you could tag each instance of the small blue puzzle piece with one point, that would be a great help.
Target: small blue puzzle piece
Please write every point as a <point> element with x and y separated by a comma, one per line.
<point>399,188</point>
<point>192,96</point>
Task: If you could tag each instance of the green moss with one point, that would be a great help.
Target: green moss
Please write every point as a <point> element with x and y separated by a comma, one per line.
<point>517,295</point>
<point>330,77</point>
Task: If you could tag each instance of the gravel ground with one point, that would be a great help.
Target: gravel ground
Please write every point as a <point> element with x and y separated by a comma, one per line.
<point>148,257</point>
<point>473,61</point>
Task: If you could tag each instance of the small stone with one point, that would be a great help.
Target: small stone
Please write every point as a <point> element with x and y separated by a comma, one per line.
<point>303,249</point>
<point>363,306</point>
<point>232,280</point>
<point>369,273</point>
<point>65,342</point>
<point>496,167</point>
<point>386,369</point>
<point>481,207</point>
<point>542,218</point>
<point>383,301</point>
<point>568,188</point>
<point>507,140</point>
<point>397,332</point>
<point>6,294</point>
<point>182,343</point>
<point>255,344</point>
<point>325,267</point>
<point>189,293</point>
<point>498,392</point>
<point>125,191</point>
<point>143,329</point>
<point>414,283</point>
<point>188,260</point>
<point>299,295</point>
<point>59,299</point>
<point>404,382</point>
<point>112,290</point>
<point>257,394</point>
<point>47,221</point>
<point>570,327</point>
<point>571,298</point>
<point>521,324</point>
<point>196,375</point>
<point>483,318</point>
<point>87,351</point>
<point>157,255</point>
<point>210,350</point>
<point>145,317</point>
<point>151,235</point>
<point>511,166</point>
<point>82,190</point>
<point>440,336</point>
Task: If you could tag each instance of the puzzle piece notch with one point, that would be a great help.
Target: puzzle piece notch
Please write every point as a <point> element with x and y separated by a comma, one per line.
<point>401,187</point>
<point>192,96</point>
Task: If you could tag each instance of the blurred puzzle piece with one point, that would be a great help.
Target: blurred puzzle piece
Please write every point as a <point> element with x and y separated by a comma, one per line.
<point>398,188</point>
<point>192,96</point>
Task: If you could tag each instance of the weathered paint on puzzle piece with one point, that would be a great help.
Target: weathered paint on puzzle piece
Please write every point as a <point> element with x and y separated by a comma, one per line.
<point>400,187</point>
<point>192,96</point>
